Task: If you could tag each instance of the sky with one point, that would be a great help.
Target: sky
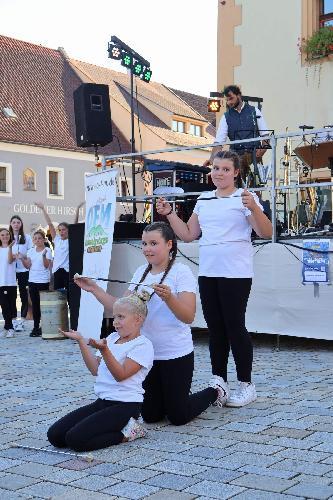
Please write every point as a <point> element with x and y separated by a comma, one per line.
<point>178,37</point>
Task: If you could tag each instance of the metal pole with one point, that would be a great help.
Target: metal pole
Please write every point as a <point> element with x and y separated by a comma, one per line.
<point>133,144</point>
<point>273,190</point>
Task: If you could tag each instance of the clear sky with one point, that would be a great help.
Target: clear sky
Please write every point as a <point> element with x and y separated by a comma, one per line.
<point>178,37</point>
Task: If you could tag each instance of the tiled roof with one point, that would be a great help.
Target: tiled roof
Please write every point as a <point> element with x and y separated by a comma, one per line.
<point>197,102</point>
<point>157,94</point>
<point>38,84</point>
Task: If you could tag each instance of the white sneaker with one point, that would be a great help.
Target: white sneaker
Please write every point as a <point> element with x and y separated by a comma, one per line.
<point>244,394</point>
<point>10,334</point>
<point>18,325</point>
<point>133,430</point>
<point>222,389</point>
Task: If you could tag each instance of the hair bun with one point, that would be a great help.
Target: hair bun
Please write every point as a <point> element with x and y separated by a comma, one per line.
<point>143,295</point>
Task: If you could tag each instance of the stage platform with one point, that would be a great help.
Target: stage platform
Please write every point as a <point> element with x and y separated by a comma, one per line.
<point>279,302</point>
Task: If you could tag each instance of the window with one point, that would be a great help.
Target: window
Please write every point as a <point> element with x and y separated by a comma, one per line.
<point>55,182</point>
<point>326,13</point>
<point>195,129</point>
<point>178,126</point>
<point>29,180</point>
<point>5,179</point>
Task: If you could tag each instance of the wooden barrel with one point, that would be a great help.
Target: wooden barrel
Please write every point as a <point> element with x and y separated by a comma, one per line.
<point>54,314</point>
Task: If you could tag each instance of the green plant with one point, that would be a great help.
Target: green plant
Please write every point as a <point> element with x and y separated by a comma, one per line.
<point>320,44</point>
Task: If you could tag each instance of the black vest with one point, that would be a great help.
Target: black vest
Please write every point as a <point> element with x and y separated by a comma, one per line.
<point>242,125</point>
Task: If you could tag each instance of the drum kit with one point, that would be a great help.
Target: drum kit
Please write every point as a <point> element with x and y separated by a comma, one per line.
<point>302,165</point>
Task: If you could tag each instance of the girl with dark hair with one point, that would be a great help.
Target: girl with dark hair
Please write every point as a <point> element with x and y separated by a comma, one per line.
<point>223,220</point>
<point>22,243</point>
<point>7,281</point>
<point>171,310</point>
<point>38,262</point>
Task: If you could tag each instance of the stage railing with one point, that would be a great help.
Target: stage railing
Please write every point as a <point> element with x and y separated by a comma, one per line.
<point>273,188</point>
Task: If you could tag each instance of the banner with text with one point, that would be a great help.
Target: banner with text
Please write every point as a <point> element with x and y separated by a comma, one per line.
<point>315,261</point>
<point>100,191</point>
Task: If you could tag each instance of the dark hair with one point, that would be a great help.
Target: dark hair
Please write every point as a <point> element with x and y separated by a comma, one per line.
<point>10,236</point>
<point>41,232</point>
<point>167,234</point>
<point>65,224</point>
<point>21,231</point>
<point>234,158</point>
<point>232,88</point>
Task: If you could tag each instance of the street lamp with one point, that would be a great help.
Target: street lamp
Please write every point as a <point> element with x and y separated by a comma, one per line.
<point>140,67</point>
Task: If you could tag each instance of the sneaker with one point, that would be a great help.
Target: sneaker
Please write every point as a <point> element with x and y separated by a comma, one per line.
<point>18,325</point>
<point>244,394</point>
<point>10,334</point>
<point>36,332</point>
<point>222,390</point>
<point>133,430</point>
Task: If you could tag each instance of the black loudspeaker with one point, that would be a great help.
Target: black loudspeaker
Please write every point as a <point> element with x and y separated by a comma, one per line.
<point>92,115</point>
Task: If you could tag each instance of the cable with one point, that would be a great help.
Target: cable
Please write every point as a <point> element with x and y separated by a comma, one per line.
<point>126,209</point>
<point>187,258</point>
<point>281,242</point>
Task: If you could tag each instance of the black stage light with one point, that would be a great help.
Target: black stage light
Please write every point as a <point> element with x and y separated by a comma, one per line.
<point>114,51</point>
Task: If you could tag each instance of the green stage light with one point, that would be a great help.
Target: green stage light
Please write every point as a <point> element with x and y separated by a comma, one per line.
<point>146,75</point>
<point>137,68</point>
<point>126,60</point>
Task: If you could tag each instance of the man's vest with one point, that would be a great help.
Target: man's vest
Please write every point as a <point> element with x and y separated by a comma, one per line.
<point>242,125</point>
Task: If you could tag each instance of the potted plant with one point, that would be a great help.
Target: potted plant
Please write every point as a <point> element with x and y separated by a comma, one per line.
<point>317,46</point>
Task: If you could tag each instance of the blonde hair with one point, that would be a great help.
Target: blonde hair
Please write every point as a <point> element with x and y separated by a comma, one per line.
<point>135,302</point>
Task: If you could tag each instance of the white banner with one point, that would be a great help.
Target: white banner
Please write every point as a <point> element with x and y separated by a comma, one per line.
<point>100,195</point>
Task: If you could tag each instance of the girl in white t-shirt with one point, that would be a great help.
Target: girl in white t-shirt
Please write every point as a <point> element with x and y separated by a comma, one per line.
<point>171,310</point>
<point>7,281</point>
<point>38,262</point>
<point>223,220</point>
<point>23,243</point>
<point>123,362</point>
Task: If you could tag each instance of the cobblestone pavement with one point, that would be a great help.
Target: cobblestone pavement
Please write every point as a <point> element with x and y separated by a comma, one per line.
<point>280,447</point>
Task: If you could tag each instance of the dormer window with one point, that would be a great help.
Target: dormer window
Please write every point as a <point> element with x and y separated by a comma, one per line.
<point>195,129</point>
<point>178,126</point>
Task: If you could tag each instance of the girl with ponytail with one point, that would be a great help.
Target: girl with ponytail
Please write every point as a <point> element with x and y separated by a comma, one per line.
<point>171,310</point>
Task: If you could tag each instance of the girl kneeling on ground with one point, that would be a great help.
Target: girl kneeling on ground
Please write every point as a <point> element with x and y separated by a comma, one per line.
<point>124,360</point>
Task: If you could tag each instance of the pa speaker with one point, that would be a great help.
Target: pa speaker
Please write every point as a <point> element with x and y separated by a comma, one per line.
<point>92,115</point>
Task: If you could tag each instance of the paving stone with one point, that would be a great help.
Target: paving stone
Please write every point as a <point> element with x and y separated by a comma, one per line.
<point>84,495</point>
<point>173,495</point>
<point>250,428</point>
<point>48,490</point>
<point>172,481</point>
<point>184,469</point>
<point>310,490</point>
<point>212,489</point>
<point>285,432</point>
<point>303,467</point>
<point>131,490</point>
<point>94,482</point>
<point>135,474</point>
<point>7,463</point>
<point>31,469</point>
<point>267,483</point>
<point>15,482</point>
<point>106,469</point>
<point>12,495</point>
<point>263,495</point>
<point>308,456</point>
<point>219,475</point>
<point>143,458</point>
<point>77,464</point>
<point>264,471</point>
<point>307,478</point>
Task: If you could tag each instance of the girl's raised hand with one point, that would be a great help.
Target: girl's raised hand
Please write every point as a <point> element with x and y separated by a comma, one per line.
<point>163,207</point>
<point>72,334</point>
<point>163,291</point>
<point>85,283</point>
<point>101,345</point>
<point>248,200</point>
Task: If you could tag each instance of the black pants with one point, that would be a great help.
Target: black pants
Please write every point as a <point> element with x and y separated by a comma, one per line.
<point>97,425</point>
<point>224,302</point>
<point>8,304</point>
<point>167,392</point>
<point>34,289</point>
<point>61,279</point>
<point>22,280</point>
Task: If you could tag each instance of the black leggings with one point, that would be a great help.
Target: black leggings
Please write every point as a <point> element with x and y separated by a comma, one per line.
<point>34,289</point>
<point>8,305</point>
<point>92,427</point>
<point>167,392</point>
<point>22,280</point>
<point>224,302</point>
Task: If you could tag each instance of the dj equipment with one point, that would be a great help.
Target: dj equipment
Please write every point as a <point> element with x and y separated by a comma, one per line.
<point>191,178</point>
<point>92,115</point>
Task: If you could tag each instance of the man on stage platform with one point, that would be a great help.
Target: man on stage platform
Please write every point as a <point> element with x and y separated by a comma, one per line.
<point>241,121</point>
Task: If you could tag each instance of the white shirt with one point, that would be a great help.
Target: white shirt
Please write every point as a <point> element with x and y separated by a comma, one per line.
<point>139,350</point>
<point>38,272</point>
<point>61,258</point>
<point>7,271</point>
<point>222,131</point>
<point>170,337</point>
<point>225,248</point>
<point>23,249</point>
